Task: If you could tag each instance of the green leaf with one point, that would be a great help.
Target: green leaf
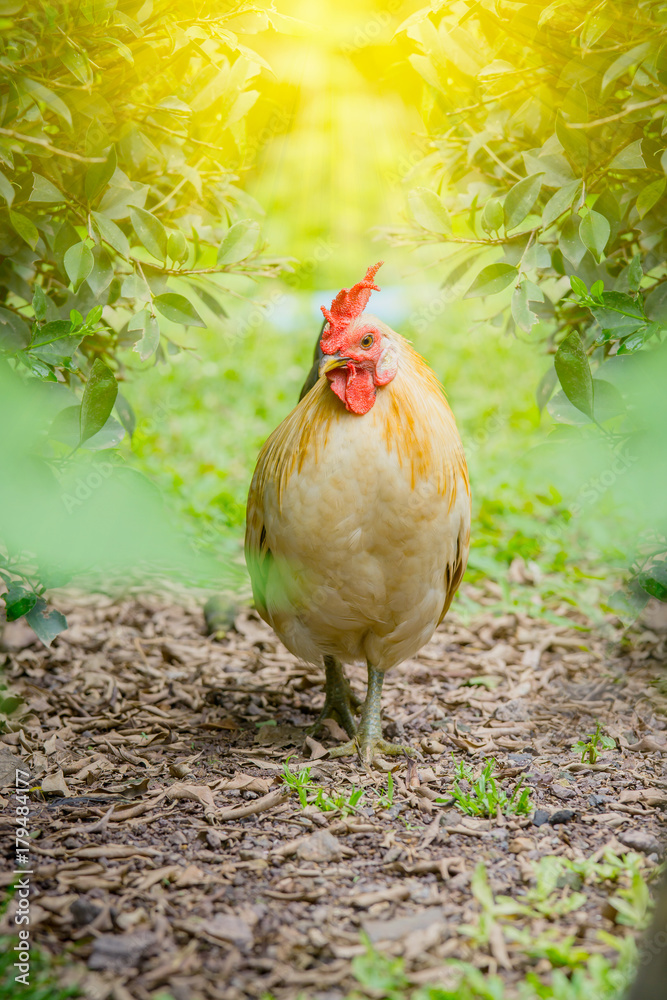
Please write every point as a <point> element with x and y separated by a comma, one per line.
<point>98,175</point>
<point>41,93</point>
<point>78,264</point>
<point>563,412</point>
<point>150,333</point>
<point>650,196</point>
<point>654,581</point>
<point>177,247</point>
<point>574,373</point>
<point>569,243</point>
<point>428,210</point>
<point>111,233</point>
<point>77,63</point>
<point>37,367</point>
<point>492,216</point>
<point>608,400</point>
<point>239,242</point>
<point>126,414</point>
<point>50,332</point>
<point>492,279</point>
<point>619,312</point>
<point>578,286</point>
<point>44,192</point>
<point>55,341</point>
<point>635,273</point>
<point>98,399</point>
<point>623,63</point>
<point>629,158</point>
<point>25,228</point>
<point>108,436</point>
<point>574,142</point>
<point>6,188</point>
<point>523,315</point>
<point>177,309</point>
<point>39,303</point>
<point>150,231</point>
<point>121,48</point>
<point>65,426</point>
<point>594,232</point>
<point>545,387</point>
<point>559,203</point>
<point>14,331</point>
<point>46,622</point>
<point>520,199</point>
<point>18,601</point>
<point>102,273</point>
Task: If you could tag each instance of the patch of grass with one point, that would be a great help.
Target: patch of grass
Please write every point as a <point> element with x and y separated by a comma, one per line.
<point>612,867</point>
<point>577,973</point>
<point>42,984</point>
<point>484,796</point>
<point>591,745</point>
<point>379,975</point>
<point>386,799</point>
<point>314,795</point>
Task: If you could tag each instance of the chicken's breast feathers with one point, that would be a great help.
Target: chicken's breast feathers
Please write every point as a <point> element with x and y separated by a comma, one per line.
<point>358,526</point>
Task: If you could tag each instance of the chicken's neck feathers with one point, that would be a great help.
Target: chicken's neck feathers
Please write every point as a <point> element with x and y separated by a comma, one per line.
<point>410,414</point>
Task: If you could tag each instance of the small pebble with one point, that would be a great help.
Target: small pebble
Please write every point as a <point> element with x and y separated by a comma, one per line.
<point>540,817</point>
<point>637,840</point>
<point>561,816</point>
<point>519,845</point>
<point>320,846</point>
<point>598,800</point>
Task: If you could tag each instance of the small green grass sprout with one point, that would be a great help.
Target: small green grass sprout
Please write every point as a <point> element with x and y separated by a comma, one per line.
<point>312,795</point>
<point>386,799</point>
<point>592,744</point>
<point>485,796</point>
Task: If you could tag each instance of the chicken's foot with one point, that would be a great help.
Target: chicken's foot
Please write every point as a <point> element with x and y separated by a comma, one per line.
<point>339,700</point>
<point>368,740</point>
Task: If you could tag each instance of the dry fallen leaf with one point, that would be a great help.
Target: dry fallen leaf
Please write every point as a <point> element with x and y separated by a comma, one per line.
<point>55,784</point>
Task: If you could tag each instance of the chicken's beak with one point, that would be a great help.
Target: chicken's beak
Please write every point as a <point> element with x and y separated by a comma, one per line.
<point>329,362</point>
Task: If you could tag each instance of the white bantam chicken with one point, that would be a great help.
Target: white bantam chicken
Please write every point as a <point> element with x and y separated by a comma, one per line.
<point>358,522</point>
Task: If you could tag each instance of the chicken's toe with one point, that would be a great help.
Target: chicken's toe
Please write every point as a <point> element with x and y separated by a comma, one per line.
<point>368,748</point>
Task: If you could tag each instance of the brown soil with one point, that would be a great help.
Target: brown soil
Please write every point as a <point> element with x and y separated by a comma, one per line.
<point>171,858</point>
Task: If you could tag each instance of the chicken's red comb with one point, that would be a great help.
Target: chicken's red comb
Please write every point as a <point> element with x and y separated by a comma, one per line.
<point>349,303</point>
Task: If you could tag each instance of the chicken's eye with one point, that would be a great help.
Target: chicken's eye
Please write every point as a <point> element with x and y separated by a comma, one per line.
<point>367,341</point>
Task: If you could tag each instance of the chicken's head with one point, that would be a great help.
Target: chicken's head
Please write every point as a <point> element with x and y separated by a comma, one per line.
<point>358,356</point>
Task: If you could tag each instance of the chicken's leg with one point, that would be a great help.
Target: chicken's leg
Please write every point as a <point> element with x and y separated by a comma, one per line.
<point>339,701</point>
<point>368,741</point>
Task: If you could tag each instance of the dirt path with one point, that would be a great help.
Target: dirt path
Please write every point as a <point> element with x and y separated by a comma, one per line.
<point>172,858</point>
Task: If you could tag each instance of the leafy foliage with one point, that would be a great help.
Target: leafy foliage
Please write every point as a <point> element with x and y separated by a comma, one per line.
<point>547,182</point>
<point>483,796</point>
<point>310,794</point>
<point>591,746</point>
<point>41,985</point>
<point>121,219</point>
